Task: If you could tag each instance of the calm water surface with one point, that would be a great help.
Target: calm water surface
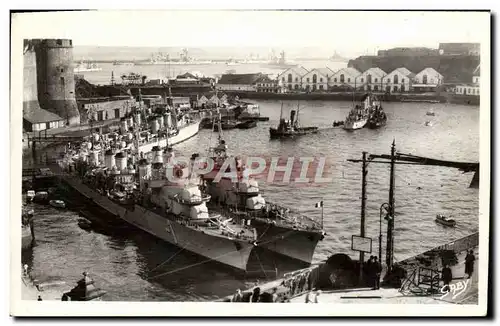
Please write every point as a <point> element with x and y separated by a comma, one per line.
<point>139,267</point>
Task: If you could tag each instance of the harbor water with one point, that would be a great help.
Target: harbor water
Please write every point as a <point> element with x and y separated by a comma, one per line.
<point>137,267</point>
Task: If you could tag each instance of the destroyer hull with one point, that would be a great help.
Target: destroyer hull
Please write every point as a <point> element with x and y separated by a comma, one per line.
<point>295,244</point>
<point>184,134</point>
<point>229,252</point>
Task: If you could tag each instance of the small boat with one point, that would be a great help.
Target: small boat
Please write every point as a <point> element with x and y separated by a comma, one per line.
<point>30,195</point>
<point>430,112</point>
<point>441,219</point>
<point>376,115</point>
<point>290,128</point>
<point>338,123</point>
<point>41,197</point>
<point>57,203</point>
<point>428,123</point>
<point>247,124</point>
<point>84,224</point>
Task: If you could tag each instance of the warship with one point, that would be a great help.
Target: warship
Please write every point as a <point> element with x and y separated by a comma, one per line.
<point>278,228</point>
<point>160,195</point>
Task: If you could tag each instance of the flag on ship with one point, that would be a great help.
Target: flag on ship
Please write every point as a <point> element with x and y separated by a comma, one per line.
<point>319,204</point>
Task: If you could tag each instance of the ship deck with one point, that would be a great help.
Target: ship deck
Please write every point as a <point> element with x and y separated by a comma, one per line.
<point>292,218</point>
<point>232,229</point>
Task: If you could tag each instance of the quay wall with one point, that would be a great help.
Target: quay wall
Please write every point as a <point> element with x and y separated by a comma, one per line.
<point>343,96</point>
<point>304,280</point>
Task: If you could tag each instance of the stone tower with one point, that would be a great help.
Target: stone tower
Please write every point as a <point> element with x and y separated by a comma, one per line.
<point>30,92</point>
<point>56,80</point>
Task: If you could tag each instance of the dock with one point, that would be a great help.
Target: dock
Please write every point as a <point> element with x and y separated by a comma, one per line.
<point>415,288</point>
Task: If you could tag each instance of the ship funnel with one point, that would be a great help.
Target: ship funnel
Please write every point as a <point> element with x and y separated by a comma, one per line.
<point>292,116</point>
<point>123,126</point>
<point>121,161</point>
<point>109,159</point>
<point>94,158</point>
<point>154,126</point>
<point>157,155</point>
<point>144,173</point>
<point>160,121</point>
<point>168,120</point>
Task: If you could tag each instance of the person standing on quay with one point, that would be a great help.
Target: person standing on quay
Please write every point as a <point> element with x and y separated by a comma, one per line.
<point>377,270</point>
<point>446,276</point>
<point>469,263</point>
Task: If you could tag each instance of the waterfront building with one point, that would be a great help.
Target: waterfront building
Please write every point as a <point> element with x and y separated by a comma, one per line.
<point>40,119</point>
<point>317,79</point>
<point>105,110</point>
<point>371,80</point>
<point>239,82</point>
<point>203,100</point>
<point>427,80</point>
<point>345,78</point>
<point>267,85</point>
<point>473,88</point>
<point>291,78</point>
<point>398,81</point>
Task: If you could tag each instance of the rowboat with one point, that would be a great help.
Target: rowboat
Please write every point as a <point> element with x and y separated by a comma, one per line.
<point>441,219</point>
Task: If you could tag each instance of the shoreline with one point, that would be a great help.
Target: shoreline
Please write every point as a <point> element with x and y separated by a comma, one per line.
<point>472,100</point>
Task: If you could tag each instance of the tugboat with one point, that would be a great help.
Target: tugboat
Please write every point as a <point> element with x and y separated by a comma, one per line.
<point>443,220</point>
<point>290,128</point>
<point>358,116</point>
<point>377,117</point>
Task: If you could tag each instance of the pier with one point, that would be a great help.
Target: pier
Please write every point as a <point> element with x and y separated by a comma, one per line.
<point>415,288</point>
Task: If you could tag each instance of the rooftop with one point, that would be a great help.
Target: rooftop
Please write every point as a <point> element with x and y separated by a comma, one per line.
<point>240,79</point>
<point>34,115</point>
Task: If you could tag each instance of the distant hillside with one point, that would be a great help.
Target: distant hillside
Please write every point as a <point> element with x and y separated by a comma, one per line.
<point>453,68</point>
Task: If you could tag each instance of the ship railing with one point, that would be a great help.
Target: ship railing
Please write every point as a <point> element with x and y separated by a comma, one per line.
<point>298,224</point>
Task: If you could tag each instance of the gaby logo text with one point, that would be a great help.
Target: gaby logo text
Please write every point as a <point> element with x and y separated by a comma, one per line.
<point>452,291</point>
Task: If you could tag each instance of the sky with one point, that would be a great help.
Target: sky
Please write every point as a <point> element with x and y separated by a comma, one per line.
<point>347,32</point>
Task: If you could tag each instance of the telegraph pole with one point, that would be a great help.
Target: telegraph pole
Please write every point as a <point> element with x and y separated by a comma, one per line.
<point>363,210</point>
<point>390,223</point>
